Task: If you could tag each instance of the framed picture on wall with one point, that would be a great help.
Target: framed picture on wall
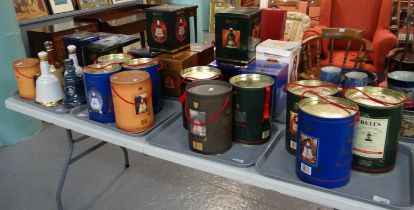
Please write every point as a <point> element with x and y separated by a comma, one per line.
<point>59,6</point>
<point>90,4</point>
<point>120,1</point>
<point>29,9</point>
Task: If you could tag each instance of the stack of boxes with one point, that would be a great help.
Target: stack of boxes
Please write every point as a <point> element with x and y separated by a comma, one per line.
<point>168,34</point>
<point>238,51</point>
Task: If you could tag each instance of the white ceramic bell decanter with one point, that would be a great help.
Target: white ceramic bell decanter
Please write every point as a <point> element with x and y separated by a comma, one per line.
<point>48,89</point>
<point>72,55</point>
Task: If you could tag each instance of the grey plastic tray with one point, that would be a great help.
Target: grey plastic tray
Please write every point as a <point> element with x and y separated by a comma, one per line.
<point>407,140</point>
<point>54,109</point>
<point>170,108</point>
<point>173,136</point>
<point>393,190</point>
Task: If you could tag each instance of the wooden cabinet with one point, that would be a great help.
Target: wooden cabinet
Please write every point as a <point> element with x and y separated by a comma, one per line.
<point>38,35</point>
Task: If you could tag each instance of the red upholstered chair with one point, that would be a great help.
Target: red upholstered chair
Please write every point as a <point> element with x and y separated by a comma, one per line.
<point>371,16</point>
<point>272,24</point>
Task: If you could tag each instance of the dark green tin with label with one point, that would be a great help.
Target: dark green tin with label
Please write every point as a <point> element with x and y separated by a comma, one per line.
<point>294,92</point>
<point>375,143</point>
<point>252,107</point>
<point>237,34</point>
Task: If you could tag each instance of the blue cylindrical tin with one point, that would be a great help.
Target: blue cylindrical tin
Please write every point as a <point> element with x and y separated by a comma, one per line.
<point>98,90</point>
<point>324,141</point>
<point>151,66</point>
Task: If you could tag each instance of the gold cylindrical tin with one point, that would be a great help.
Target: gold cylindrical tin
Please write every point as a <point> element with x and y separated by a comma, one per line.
<point>26,71</point>
<point>375,144</point>
<point>114,58</point>
<point>132,98</point>
<point>294,93</point>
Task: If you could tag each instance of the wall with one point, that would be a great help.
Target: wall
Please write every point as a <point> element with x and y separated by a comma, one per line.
<point>14,127</point>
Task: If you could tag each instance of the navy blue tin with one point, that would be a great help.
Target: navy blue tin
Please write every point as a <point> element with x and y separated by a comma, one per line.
<point>152,67</point>
<point>324,141</point>
<point>98,91</point>
<point>79,39</point>
<point>228,70</point>
<point>279,73</point>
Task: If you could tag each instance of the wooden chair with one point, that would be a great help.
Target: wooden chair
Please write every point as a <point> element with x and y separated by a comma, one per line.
<point>318,51</point>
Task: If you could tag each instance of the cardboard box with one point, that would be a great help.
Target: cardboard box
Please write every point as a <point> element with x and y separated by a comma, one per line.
<point>227,69</point>
<point>281,51</point>
<point>279,73</point>
<point>170,74</point>
<point>168,28</point>
<point>237,34</point>
<point>205,53</point>
<point>117,43</point>
<point>79,39</point>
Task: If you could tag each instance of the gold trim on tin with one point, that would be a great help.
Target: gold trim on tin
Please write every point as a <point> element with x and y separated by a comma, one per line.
<point>375,92</point>
<point>298,90</point>
<point>200,72</point>
<point>251,81</point>
<point>318,107</point>
<point>114,58</point>
<point>50,104</point>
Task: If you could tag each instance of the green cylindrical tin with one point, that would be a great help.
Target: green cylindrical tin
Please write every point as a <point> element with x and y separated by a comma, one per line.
<point>378,130</point>
<point>294,92</point>
<point>114,58</point>
<point>196,73</point>
<point>252,107</point>
<point>209,112</point>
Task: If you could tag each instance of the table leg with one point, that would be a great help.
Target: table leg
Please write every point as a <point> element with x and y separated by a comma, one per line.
<point>195,28</point>
<point>69,160</point>
<point>125,157</point>
<point>65,169</point>
<point>142,36</point>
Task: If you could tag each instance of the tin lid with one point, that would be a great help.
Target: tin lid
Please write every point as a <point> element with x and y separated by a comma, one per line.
<point>209,88</point>
<point>101,69</point>
<point>132,76</point>
<point>320,108</point>
<point>199,72</point>
<point>140,62</point>
<point>324,91</point>
<point>238,11</point>
<point>25,62</point>
<point>251,81</point>
<point>114,58</point>
<point>166,8</point>
<point>383,94</point>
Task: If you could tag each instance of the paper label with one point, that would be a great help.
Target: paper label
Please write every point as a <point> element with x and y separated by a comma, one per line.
<point>265,134</point>
<point>370,137</point>
<point>306,169</point>
<point>381,200</point>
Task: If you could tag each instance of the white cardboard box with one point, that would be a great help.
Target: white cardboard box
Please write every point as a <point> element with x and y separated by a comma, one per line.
<point>282,51</point>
